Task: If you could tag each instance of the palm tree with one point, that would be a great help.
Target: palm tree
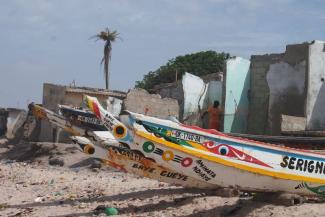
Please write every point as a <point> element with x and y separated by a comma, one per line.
<point>108,37</point>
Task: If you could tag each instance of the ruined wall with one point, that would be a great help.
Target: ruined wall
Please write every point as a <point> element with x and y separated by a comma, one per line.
<point>3,121</point>
<point>76,99</point>
<point>72,96</point>
<point>52,96</point>
<point>287,90</point>
<point>259,92</point>
<point>278,87</point>
<point>140,101</point>
<point>287,83</point>
<point>175,90</point>
<point>315,105</point>
<point>237,84</point>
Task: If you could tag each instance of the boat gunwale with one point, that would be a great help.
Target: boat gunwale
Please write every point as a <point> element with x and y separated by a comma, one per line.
<point>248,142</point>
<point>225,162</point>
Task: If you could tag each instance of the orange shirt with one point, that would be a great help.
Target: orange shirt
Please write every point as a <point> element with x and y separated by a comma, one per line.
<point>214,116</point>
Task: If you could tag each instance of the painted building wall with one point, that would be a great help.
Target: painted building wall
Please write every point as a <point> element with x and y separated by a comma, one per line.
<point>315,105</point>
<point>287,93</point>
<point>236,95</point>
<point>214,92</point>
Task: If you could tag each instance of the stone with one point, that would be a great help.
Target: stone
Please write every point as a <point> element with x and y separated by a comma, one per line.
<point>55,161</point>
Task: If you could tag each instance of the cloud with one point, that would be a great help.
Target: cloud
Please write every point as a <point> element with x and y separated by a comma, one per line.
<point>48,40</point>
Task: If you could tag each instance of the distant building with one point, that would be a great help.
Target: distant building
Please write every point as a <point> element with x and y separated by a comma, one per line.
<point>73,96</point>
<point>291,84</point>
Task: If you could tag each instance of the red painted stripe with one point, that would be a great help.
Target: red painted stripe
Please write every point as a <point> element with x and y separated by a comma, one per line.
<point>96,109</point>
<point>255,143</point>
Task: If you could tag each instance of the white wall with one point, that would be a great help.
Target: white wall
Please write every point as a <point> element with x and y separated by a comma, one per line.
<point>315,107</point>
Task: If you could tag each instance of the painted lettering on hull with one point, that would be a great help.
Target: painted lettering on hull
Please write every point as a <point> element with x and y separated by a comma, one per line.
<point>303,165</point>
<point>173,175</point>
<point>187,136</point>
<point>143,168</point>
<point>203,171</point>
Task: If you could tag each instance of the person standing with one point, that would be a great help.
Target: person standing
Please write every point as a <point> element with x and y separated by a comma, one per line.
<point>214,115</point>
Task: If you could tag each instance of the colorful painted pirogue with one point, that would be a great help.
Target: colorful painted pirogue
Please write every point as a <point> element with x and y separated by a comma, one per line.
<point>217,158</point>
<point>108,150</point>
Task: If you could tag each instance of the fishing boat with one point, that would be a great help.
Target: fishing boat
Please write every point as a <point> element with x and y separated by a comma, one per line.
<point>103,146</point>
<point>87,120</point>
<point>217,158</point>
<point>81,117</point>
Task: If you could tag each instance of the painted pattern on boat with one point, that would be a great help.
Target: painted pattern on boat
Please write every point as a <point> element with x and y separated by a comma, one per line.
<point>270,168</point>
<point>119,158</point>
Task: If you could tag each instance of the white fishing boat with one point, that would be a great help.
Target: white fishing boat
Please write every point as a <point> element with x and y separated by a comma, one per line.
<point>216,158</point>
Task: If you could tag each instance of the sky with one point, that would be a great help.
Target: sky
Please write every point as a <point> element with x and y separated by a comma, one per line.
<point>49,41</point>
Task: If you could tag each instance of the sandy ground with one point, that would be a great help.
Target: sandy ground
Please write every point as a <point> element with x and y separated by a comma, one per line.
<point>32,187</point>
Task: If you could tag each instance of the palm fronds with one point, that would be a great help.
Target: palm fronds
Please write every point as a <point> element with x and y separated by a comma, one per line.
<point>108,37</point>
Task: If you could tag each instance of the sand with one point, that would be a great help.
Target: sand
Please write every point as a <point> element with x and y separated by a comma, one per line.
<point>32,187</point>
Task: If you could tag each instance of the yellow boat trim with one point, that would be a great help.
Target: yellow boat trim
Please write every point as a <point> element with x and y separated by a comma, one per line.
<point>197,146</point>
<point>232,164</point>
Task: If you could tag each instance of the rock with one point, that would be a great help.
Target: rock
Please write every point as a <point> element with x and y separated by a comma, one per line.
<point>55,161</point>
<point>39,199</point>
<point>96,164</point>
<point>96,170</point>
<point>3,206</point>
<point>285,199</point>
<point>99,209</point>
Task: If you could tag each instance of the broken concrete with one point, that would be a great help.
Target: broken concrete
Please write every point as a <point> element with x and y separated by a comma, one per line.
<point>291,83</point>
<point>176,91</point>
<point>278,86</point>
<point>291,124</point>
<point>73,96</point>
<point>140,101</point>
<point>15,122</point>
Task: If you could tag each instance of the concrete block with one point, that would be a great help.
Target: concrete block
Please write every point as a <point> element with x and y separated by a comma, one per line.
<point>140,101</point>
<point>292,123</point>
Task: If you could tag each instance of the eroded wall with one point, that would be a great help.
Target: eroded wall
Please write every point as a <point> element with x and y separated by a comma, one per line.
<point>259,92</point>
<point>140,101</point>
<point>315,105</point>
<point>287,92</point>
<point>278,87</point>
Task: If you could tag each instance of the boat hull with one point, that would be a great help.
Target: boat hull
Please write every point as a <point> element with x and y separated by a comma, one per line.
<point>219,159</point>
<point>111,154</point>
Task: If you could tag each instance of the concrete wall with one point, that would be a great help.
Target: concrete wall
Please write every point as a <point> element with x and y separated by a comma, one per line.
<point>52,96</point>
<point>72,96</point>
<point>259,92</point>
<point>287,93</point>
<point>140,101</point>
<point>214,92</point>
<point>278,86</point>
<point>175,90</point>
<point>315,105</point>
<point>237,83</point>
